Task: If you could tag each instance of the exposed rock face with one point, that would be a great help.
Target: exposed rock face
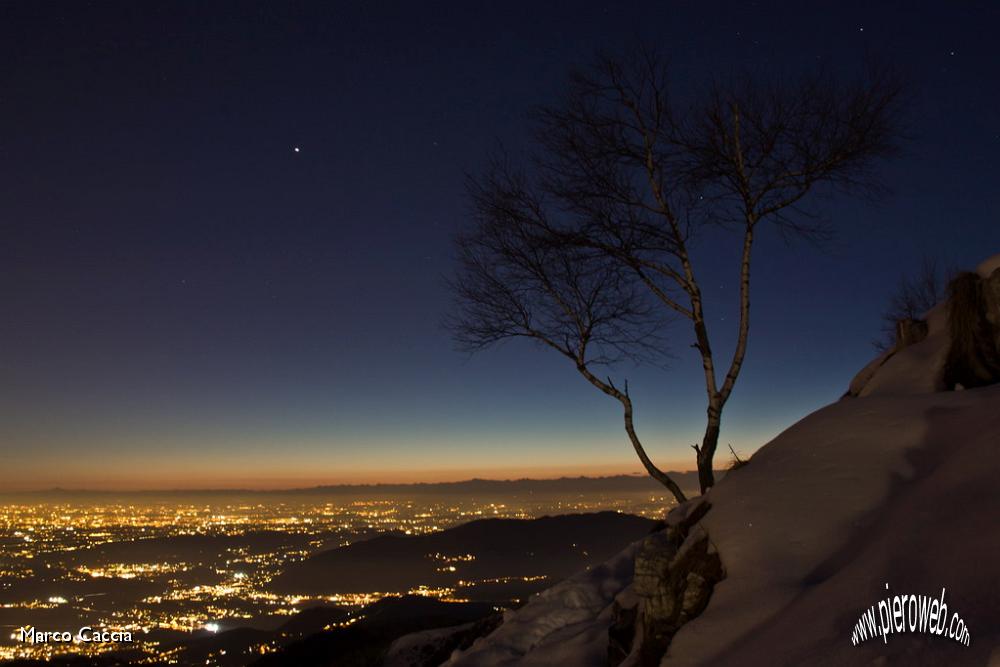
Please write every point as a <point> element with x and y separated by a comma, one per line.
<point>973,312</point>
<point>624,632</point>
<point>991,302</point>
<point>675,572</point>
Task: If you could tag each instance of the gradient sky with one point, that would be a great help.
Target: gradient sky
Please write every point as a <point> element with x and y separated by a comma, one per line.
<point>188,301</point>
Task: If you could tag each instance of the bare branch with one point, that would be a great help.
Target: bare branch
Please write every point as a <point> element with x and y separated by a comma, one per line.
<point>588,248</point>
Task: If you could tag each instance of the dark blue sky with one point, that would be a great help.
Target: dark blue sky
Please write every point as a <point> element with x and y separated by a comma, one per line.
<point>187,300</point>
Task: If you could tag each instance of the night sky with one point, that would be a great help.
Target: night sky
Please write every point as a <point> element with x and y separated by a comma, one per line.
<point>225,228</point>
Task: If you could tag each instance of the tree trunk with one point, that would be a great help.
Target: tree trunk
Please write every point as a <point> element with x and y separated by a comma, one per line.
<point>706,452</point>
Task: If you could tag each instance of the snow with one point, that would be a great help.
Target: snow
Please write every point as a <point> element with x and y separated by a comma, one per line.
<point>564,625</point>
<point>915,369</point>
<point>897,490</point>
<point>868,491</point>
<point>407,651</point>
<point>896,487</point>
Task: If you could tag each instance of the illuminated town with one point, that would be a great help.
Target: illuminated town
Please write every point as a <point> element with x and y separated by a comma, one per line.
<point>166,569</point>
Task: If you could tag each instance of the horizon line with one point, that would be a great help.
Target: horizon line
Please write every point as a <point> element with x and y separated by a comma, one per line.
<point>343,485</point>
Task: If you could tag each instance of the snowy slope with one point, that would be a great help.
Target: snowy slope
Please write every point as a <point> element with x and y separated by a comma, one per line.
<point>869,491</point>
<point>897,487</point>
<point>900,486</point>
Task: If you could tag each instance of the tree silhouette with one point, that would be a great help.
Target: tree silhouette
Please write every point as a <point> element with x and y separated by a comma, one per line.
<point>913,297</point>
<point>586,247</point>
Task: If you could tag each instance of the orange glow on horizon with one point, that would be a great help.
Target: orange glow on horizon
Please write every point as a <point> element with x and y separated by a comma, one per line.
<point>214,479</point>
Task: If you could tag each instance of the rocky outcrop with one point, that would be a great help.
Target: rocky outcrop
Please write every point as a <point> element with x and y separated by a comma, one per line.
<point>956,345</point>
<point>991,302</point>
<point>563,625</point>
<point>974,326</point>
<point>676,570</point>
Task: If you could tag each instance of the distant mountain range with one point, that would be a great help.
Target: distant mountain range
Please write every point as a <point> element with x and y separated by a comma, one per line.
<point>610,484</point>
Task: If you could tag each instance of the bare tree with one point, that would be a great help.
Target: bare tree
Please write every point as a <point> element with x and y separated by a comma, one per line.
<point>588,245</point>
<point>914,296</point>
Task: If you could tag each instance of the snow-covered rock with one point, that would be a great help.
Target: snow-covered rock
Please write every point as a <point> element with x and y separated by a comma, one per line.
<point>564,625</point>
<point>915,369</point>
<point>429,647</point>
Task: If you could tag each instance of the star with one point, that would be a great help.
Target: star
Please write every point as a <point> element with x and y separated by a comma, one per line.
<point>296,149</point>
